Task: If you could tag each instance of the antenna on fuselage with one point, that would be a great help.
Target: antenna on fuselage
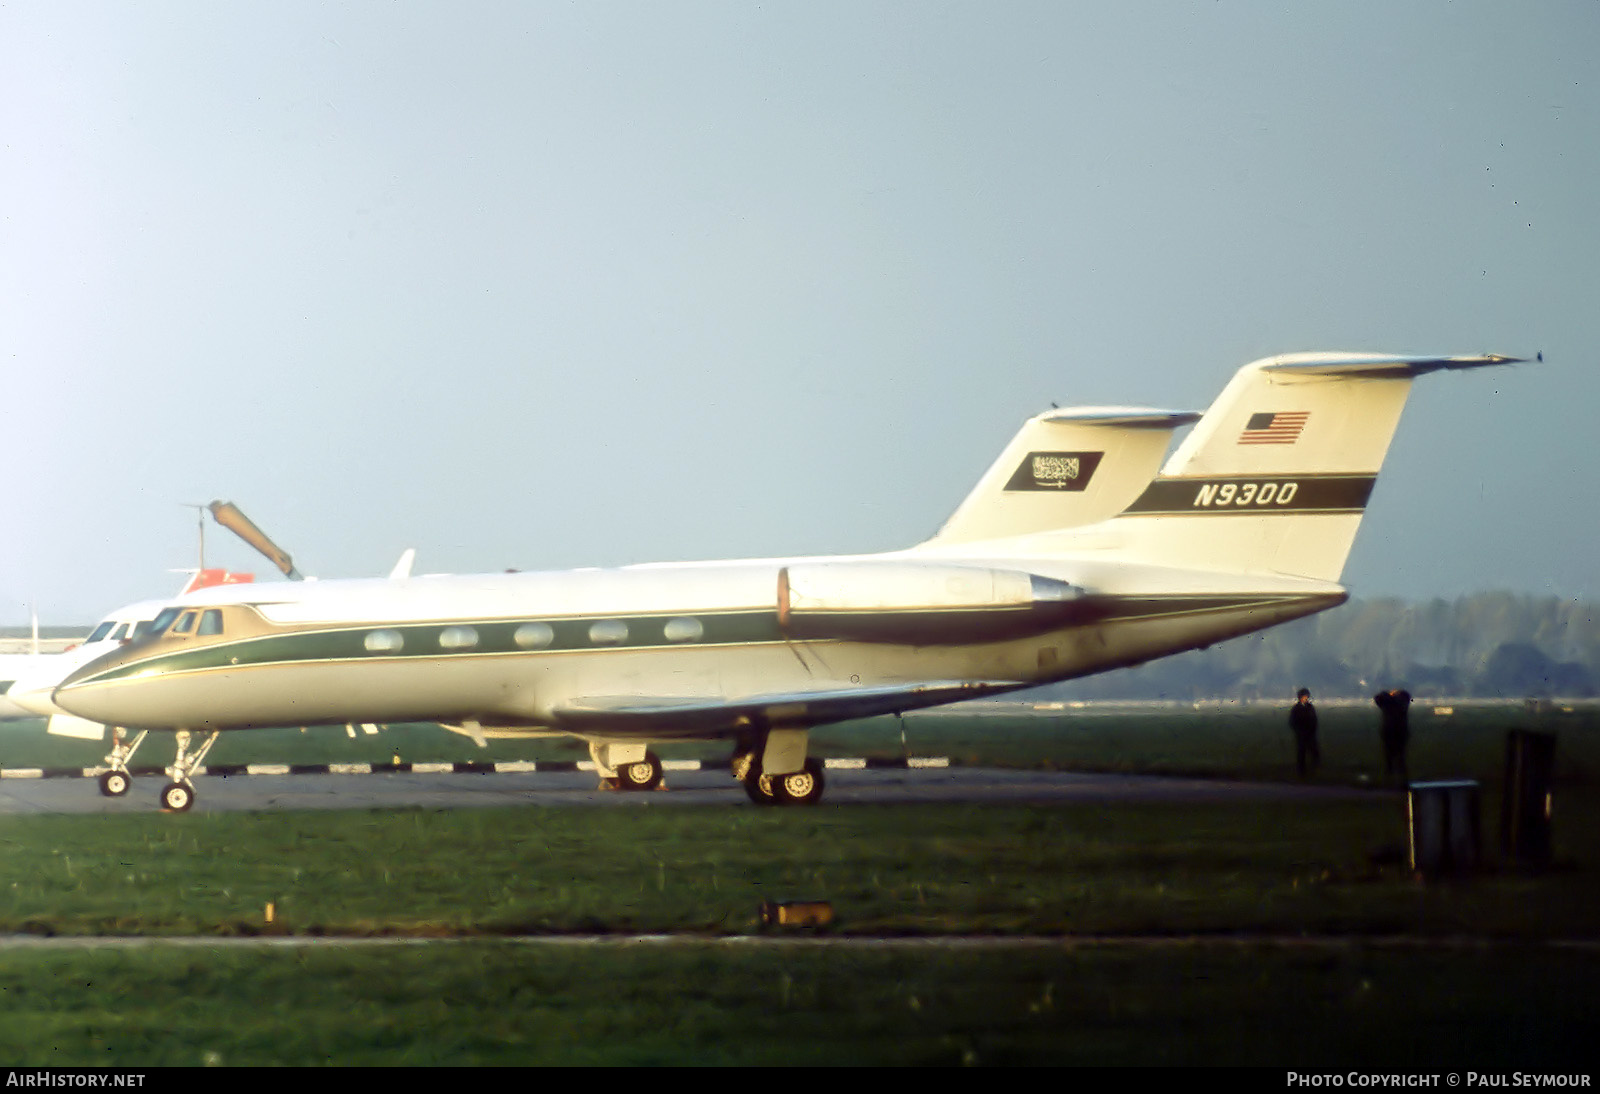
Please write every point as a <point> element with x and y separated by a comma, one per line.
<point>200,522</point>
<point>228,515</point>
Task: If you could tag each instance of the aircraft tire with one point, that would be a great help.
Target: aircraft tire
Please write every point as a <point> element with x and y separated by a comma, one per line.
<point>804,787</point>
<point>114,784</point>
<point>758,786</point>
<point>177,798</point>
<point>641,776</point>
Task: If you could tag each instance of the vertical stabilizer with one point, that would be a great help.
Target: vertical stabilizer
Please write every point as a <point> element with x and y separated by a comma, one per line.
<point>1277,474</point>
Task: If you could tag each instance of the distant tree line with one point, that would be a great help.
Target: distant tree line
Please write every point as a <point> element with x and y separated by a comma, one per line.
<point>1489,645</point>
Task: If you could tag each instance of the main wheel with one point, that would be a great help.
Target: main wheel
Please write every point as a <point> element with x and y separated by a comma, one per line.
<point>803,787</point>
<point>758,786</point>
<point>176,798</point>
<point>114,784</point>
<point>645,775</point>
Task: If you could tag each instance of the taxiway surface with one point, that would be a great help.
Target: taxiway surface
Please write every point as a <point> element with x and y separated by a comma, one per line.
<point>254,793</point>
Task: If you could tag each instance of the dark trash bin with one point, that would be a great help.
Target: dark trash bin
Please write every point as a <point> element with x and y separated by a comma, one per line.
<point>1446,836</point>
<point>1526,804</point>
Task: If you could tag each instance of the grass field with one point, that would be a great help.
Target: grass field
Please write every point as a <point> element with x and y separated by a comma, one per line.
<point>1332,1008</point>
<point>1285,933</point>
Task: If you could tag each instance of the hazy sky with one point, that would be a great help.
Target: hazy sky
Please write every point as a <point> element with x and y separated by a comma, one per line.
<point>559,284</point>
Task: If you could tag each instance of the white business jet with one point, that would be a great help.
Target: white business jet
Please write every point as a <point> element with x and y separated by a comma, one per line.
<point>1070,557</point>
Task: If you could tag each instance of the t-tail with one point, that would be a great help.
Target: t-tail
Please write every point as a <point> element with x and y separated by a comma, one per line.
<point>1276,475</point>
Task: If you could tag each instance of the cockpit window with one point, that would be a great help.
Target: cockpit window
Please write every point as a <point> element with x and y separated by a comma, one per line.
<point>160,623</point>
<point>185,623</point>
<point>101,631</point>
<point>141,628</point>
<point>120,633</point>
<point>210,622</point>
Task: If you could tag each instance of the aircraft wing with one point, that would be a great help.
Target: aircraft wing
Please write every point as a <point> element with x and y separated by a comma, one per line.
<point>622,716</point>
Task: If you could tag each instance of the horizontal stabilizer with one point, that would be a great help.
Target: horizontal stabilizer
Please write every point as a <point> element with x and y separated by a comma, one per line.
<point>1378,364</point>
<point>669,716</point>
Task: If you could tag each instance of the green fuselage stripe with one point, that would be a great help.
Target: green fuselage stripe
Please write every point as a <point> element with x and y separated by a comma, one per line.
<point>421,640</point>
<point>497,637</point>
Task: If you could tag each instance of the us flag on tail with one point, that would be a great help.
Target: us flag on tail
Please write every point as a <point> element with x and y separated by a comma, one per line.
<point>1282,427</point>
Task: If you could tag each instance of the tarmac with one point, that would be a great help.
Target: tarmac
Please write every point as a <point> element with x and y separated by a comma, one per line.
<point>848,782</point>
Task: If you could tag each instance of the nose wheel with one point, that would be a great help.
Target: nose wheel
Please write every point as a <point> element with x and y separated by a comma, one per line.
<point>177,798</point>
<point>178,795</point>
<point>114,784</point>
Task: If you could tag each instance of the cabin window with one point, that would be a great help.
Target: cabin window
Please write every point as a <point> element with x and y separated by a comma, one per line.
<point>185,623</point>
<point>99,632</point>
<point>458,638</point>
<point>608,632</point>
<point>683,630</point>
<point>210,622</point>
<point>384,641</point>
<point>533,636</point>
<point>159,625</point>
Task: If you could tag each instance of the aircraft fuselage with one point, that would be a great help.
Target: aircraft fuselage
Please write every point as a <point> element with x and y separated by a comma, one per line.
<point>525,650</point>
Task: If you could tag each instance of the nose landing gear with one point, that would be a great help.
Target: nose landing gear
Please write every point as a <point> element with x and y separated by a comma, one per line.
<point>178,795</point>
<point>117,781</point>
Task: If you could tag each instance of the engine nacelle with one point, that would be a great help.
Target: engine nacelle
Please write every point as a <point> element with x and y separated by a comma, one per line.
<point>922,604</point>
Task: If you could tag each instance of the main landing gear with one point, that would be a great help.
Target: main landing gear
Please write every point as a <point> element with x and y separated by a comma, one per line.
<point>626,766</point>
<point>803,787</point>
<point>644,775</point>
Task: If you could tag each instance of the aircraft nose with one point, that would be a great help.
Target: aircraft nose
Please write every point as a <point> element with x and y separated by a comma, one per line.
<point>35,701</point>
<point>86,700</point>
<point>81,690</point>
<point>32,691</point>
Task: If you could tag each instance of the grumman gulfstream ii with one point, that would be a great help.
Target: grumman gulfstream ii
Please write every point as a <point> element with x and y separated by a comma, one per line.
<point>1071,556</point>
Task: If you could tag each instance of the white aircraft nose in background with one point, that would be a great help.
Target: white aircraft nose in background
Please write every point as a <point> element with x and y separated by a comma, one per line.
<point>34,677</point>
<point>35,682</point>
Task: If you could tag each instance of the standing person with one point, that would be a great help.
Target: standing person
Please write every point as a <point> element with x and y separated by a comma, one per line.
<point>1303,721</point>
<point>1394,707</point>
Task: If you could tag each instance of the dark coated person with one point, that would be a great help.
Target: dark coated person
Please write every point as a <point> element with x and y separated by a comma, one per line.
<point>1303,723</point>
<point>1394,707</point>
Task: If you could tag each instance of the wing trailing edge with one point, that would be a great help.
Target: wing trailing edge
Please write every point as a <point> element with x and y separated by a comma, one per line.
<point>655,717</point>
